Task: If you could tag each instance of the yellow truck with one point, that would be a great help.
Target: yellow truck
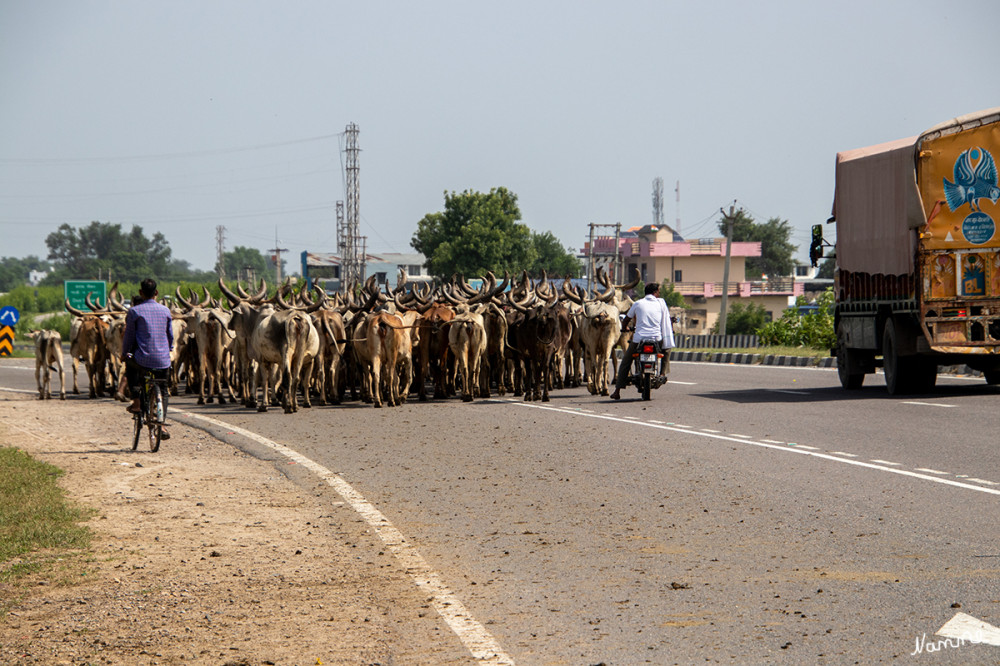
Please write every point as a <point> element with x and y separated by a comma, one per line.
<point>917,278</point>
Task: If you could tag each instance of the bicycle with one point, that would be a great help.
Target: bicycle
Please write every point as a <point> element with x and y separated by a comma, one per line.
<point>152,410</point>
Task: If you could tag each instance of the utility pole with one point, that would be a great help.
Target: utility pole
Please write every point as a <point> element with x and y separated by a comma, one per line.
<point>276,254</point>
<point>220,249</point>
<point>725,274</point>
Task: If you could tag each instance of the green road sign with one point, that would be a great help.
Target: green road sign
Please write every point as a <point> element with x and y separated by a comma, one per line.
<point>77,290</point>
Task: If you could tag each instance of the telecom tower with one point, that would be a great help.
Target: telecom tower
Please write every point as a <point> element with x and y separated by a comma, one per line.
<point>349,242</point>
<point>658,202</point>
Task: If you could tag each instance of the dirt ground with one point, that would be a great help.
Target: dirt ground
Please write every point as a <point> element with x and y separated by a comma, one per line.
<point>205,555</point>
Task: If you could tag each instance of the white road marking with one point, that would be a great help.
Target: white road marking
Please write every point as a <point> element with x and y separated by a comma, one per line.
<point>473,635</point>
<point>930,471</point>
<point>674,381</point>
<point>711,431</point>
<point>925,404</point>
<point>965,627</point>
<point>883,462</point>
<point>989,483</point>
<point>733,434</point>
<point>772,441</point>
<point>654,421</point>
<point>799,450</point>
<point>803,446</point>
<point>841,453</point>
<point>10,390</point>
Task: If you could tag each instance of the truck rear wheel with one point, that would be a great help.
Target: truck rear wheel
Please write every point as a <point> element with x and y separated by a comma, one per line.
<point>850,378</point>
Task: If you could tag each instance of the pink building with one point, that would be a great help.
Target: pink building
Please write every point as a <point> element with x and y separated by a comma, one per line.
<point>696,268</point>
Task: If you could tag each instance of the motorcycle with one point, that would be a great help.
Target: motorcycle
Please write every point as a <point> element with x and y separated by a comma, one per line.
<point>646,376</point>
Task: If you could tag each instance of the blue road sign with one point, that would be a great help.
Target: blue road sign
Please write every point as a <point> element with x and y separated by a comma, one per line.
<point>9,315</point>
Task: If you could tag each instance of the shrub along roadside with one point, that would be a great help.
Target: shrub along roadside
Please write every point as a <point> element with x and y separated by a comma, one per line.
<point>40,529</point>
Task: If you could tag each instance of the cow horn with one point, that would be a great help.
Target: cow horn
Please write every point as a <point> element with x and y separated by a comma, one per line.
<point>234,300</point>
<point>567,289</point>
<point>74,311</point>
<point>279,295</point>
<point>630,285</point>
<point>261,293</point>
<point>207,301</point>
<point>401,282</point>
<point>180,299</point>
<point>242,292</point>
<point>90,304</point>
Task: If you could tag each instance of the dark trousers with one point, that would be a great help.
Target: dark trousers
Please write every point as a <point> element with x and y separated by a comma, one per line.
<point>134,373</point>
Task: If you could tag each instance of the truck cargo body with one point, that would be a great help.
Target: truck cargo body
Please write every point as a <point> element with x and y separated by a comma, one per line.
<point>918,255</point>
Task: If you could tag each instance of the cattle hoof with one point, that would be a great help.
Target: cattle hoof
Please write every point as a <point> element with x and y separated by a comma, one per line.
<point>422,397</point>
<point>545,398</point>
<point>201,401</point>
<point>62,396</point>
<point>307,404</point>
<point>262,408</point>
<point>76,391</point>
<point>209,400</point>
<point>378,405</point>
<point>604,392</point>
<point>466,398</point>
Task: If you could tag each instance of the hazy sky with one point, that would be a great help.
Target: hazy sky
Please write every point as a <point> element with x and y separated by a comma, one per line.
<point>183,116</point>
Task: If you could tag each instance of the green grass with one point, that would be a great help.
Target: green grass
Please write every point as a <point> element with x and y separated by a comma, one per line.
<point>40,530</point>
<point>766,351</point>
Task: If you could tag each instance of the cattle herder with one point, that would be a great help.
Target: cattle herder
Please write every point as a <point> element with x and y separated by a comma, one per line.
<point>147,342</point>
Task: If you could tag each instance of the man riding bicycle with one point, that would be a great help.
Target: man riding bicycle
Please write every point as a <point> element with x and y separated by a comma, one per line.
<point>652,322</point>
<point>147,342</point>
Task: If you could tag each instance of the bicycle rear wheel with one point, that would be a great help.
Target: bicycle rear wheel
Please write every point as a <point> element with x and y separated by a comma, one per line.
<point>155,425</point>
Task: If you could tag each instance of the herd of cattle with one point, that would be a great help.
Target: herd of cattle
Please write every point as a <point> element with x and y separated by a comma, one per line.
<point>378,343</point>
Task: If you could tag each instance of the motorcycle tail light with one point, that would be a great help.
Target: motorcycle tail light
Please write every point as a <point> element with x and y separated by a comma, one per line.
<point>648,349</point>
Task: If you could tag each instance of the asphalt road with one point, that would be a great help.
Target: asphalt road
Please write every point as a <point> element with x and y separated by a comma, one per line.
<point>747,514</point>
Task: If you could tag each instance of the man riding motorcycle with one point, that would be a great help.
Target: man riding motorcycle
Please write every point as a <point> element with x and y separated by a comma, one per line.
<point>652,323</point>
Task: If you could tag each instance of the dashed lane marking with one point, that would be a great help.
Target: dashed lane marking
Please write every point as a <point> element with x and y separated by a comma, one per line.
<point>480,643</point>
<point>840,457</point>
<point>930,471</point>
<point>926,404</point>
<point>884,462</point>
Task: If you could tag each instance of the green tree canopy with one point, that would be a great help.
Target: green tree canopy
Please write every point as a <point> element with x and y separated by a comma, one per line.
<point>552,257</point>
<point>14,272</point>
<point>476,233</point>
<point>774,236</point>
<point>826,268</point>
<point>101,247</point>
<point>244,263</point>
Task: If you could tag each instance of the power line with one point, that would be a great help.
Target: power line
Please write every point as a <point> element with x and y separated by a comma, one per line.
<point>162,156</point>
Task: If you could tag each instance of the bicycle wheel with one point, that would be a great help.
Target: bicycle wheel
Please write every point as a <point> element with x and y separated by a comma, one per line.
<point>155,425</point>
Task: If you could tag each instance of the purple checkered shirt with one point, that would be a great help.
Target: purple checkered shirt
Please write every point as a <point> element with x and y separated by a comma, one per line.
<point>148,335</point>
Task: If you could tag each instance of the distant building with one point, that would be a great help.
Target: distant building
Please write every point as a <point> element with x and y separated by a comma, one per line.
<point>34,277</point>
<point>325,267</point>
<point>696,269</point>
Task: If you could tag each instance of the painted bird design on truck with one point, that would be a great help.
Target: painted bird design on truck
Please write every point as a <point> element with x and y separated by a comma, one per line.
<point>972,183</point>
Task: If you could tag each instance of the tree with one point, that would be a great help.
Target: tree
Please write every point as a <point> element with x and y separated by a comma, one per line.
<point>476,233</point>
<point>244,263</point>
<point>14,272</point>
<point>552,257</point>
<point>101,247</point>
<point>826,268</point>
<point>673,298</point>
<point>775,246</point>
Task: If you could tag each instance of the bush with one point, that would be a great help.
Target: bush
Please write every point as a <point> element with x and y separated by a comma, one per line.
<point>812,330</point>
<point>743,319</point>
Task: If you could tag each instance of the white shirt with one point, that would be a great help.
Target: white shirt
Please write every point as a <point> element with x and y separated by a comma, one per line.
<point>652,320</point>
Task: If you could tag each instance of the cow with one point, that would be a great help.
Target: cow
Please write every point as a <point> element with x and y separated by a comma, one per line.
<point>48,353</point>
<point>538,333</point>
<point>332,343</point>
<point>244,315</point>
<point>210,326</point>
<point>599,332</point>
<point>286,341</point>
<point>87,342</point>
<point>467,342</point>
